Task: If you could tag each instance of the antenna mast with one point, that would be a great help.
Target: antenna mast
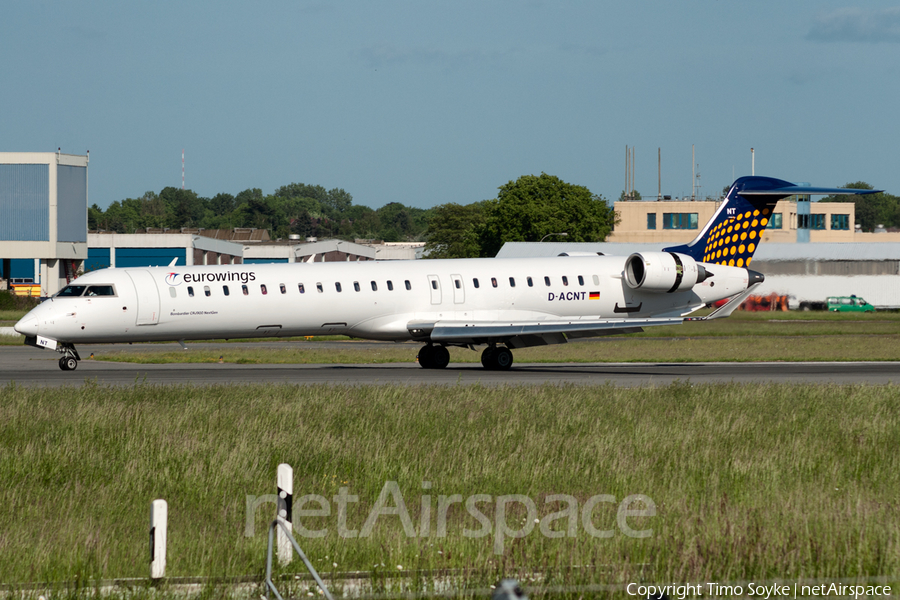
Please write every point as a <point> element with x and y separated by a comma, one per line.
<point>182,169</point>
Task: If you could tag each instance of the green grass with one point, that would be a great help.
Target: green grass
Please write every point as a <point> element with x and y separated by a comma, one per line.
<point>749,481</point>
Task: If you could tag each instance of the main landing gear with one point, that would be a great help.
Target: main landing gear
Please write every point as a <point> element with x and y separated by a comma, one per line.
<point>494,358</point>
<point>433,357</point>
<point>70,358</point>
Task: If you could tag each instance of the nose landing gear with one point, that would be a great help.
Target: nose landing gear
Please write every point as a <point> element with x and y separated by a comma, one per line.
<point>70,358</point>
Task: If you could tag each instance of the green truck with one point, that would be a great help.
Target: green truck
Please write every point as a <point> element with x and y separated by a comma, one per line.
<point>849,304</point>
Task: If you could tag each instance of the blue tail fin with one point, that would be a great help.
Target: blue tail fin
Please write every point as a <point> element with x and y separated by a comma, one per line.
<point>733,233</point>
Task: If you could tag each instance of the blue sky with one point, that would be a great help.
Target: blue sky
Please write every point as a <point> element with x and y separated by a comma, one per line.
<point>432,102</point>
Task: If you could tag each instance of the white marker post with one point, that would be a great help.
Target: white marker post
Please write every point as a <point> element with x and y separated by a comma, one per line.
<point>159,517</point>
<point>285,480</point>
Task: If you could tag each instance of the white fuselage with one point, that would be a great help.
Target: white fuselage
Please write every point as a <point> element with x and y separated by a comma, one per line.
<point>374,300</point>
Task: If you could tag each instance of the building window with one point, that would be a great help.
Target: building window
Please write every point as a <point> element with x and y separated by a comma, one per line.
<point>817,221</point>
<point>810,221</point>
<point>775,221</point>
<point>680,221</point>
<point>841,222</point>
<point>651,220</point>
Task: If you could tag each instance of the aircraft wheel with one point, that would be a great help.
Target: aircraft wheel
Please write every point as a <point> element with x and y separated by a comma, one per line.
<point>67,363</point>
<point>426,357</point>
<point>440,357</point>
<point>487,358</point>
<point>503,359</point>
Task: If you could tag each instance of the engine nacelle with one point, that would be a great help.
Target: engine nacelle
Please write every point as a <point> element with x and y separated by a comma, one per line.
<point>663,272</point>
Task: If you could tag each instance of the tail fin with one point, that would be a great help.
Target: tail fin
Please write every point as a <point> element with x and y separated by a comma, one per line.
<point>733,233</point>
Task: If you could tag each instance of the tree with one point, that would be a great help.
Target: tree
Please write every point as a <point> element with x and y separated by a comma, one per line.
<point>635,195</point>
<point>453,231</point>
<point>532,206</point>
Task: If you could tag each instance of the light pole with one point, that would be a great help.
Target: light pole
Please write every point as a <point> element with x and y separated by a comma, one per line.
<point>563,234</point>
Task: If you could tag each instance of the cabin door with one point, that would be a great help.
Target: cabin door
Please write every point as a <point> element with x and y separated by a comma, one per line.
<point>459,292</point>
<point>147,297</point>
<point>434,286</point>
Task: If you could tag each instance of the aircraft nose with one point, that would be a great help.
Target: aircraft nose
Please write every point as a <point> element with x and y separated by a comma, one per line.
<point>27,326</point>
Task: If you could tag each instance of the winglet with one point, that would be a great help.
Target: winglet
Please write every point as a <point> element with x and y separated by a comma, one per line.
<point>174,260</point>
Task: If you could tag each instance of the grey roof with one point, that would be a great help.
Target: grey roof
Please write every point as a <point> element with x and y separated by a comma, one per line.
<point>766,252</point>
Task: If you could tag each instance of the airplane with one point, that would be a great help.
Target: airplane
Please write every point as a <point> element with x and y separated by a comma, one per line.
<point>503,304</point>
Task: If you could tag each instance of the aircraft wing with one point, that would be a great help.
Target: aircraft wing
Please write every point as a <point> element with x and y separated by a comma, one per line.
<point>525,334</point>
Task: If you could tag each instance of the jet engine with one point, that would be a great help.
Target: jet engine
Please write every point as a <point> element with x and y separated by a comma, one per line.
<point>663,272</point>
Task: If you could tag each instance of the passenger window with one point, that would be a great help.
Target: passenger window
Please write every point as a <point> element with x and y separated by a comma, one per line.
<point>173,292</point>
<point>225,289</point>
<point>458,283</point>
<point>356,285</point>
<point>565,280</point>
<point>337,286</point>
<point>283,288</point>
<point>245,290</point>
<point>190,291</point>
<point>319,287</point>
<point>206,290</point>
<point>494,281</point>
<point>262,288</point>
<point>390,285</point>
<point>374,287</point>
<point>408,285</point>
<point>547,281</point>
<point>434,284</point>
<point>475,282</point>
<point>530,281</point>
<point>596,280</point>
<point>512,282</point>
<point>300,287</point>
<point>580,280</point>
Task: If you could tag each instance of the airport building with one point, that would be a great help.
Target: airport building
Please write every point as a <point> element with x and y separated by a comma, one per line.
<point>794,220</point>
<point>43,230</point>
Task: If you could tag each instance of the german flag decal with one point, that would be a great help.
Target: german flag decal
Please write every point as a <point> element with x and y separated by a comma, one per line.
<point>594,296</point>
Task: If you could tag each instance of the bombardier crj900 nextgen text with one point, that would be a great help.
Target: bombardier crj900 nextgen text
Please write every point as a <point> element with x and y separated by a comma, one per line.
<point>502,303</point>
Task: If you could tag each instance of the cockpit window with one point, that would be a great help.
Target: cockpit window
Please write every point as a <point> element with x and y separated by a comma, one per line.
<point>72,290</point>
<point>101,290</point>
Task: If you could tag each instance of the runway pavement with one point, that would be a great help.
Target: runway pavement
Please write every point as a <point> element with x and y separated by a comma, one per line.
<point>35,367</point>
